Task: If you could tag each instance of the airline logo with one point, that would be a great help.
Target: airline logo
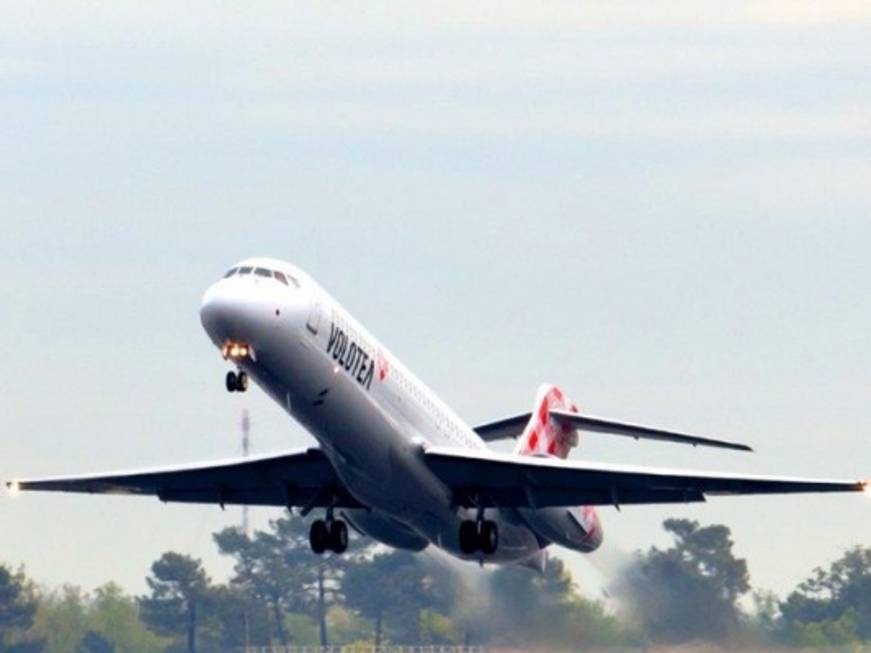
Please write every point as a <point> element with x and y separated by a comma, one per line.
<point>351,356</point>
<point>383,367</point>
<point>544,436</point>
<point>589,520</point>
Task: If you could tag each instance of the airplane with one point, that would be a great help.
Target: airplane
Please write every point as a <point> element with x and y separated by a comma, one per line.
<point>393,460</point>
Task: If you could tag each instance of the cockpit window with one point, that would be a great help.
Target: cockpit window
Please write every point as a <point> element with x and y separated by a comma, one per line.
<point>281,277</point>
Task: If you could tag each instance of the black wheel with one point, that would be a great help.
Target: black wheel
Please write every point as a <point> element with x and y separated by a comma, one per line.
<point>318,536</point>
<point>468,537</point>
<point>488,537</point>
<point>231,382</point>
<point>338,536</point>
<point>242,382</point>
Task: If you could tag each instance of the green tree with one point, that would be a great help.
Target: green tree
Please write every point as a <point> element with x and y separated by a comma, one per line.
<point>241,619</point>
<point>530,606</point>
<point>588,623</point>
<point>179,590</point>
<point>391,589</point>
<point>263,570</point>
<point>18,607</point>
<point>115,616</point>
<point>691,590</point>
<point>837,600</point>
<point>329,568</point>
<point>278,567</point>
<point>62,619</point>
<point>436,628</point>
<point>828,634</point>
<point>94,642</point>
<point>346,626</point>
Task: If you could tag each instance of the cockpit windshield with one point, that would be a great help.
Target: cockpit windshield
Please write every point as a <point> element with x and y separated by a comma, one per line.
<point>281,277</point>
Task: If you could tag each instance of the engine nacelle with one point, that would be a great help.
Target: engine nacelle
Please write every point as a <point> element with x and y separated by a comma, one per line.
<point>578,529</point>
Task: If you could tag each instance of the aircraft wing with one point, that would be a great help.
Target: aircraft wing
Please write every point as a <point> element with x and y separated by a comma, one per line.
<point>508,480</point>
<point>512,427</point>
<point>303,478</point>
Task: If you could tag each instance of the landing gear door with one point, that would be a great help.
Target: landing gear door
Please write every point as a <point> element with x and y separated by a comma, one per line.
<point>314,317</point>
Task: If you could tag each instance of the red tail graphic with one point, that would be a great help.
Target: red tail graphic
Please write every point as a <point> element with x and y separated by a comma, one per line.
<point>543,436</point>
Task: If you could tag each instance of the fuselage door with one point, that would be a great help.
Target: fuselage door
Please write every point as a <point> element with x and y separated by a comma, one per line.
<point>314,318</point>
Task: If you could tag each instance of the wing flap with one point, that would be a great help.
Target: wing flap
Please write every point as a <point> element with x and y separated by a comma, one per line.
<point>297,478</point>
<point>509,480</point>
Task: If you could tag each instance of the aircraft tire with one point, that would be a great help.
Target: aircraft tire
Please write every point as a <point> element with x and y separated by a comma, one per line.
<point>241,382</point>
<point>318,536</point>
<point>338,536</point>
<point>488,537</point>
<point>468,537</point>
<point>231,382</point>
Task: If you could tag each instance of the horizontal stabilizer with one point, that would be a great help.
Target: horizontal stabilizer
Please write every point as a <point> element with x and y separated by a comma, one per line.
<point>503,429</point>
<point>512,427</point>
<point>597,425</point>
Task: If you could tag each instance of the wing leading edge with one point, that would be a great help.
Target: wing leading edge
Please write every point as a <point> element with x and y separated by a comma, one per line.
<point>511,427</point>
<point>307,479</point>
<point>507,480</point>
<point>302,478</point>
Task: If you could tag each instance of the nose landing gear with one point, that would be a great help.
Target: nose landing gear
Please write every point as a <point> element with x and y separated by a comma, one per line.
<point>328,534</point>
<point>236,382</point>
<point>236,352</point>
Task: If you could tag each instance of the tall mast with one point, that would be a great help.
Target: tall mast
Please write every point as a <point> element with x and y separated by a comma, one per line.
<point>246,450</point>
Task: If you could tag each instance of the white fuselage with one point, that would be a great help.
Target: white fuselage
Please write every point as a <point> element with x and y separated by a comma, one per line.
<point>371,416</point>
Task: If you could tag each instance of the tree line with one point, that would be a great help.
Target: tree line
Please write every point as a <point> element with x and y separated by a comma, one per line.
<point>282,594</point>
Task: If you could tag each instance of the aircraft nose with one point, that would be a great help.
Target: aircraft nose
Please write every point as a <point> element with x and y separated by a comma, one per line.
<point>217,312</point>
<point>245,310</point>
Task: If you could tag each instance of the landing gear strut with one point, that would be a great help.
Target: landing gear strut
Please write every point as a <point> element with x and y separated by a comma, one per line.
<point>479,535</point>
<point>328,534</point>
<point>237,382</point>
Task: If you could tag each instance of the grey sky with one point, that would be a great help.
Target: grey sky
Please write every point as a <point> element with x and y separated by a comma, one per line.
<point>662,207</point>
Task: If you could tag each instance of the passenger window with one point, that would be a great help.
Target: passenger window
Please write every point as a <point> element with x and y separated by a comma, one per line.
<point>262,272</point>
<point>231,272</point>
<point>280,276</point>
<point>245,270</point>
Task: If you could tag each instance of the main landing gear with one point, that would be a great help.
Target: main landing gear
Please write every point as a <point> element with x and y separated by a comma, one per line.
<point>479,535</point>
<point>237,382</point>
<point>328,534</point>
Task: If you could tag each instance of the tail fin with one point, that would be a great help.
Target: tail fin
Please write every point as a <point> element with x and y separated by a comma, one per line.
<point>544,436</point>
